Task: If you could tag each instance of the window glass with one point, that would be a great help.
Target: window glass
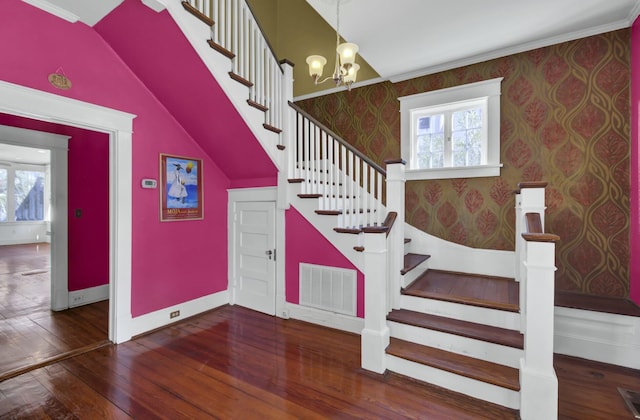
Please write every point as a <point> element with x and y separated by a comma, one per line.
<point>452,132</point>
<point>29,195</point>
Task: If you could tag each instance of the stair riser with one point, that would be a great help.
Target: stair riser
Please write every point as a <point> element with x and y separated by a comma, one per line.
<point>471,387</point>
<point>492,317</point>
<point>478,349</point>
<point>412,275</point>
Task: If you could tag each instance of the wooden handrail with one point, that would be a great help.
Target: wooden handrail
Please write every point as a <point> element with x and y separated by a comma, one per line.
<point>535,233</point>
<point>390,220</point>
<point>530,184</point>
<point>533,223</point>
<point>339,139</point>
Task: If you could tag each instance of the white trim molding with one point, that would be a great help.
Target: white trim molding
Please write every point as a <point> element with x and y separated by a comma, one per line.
<point>599,336</point>
<point>44,106</point>
<point>161,318</point>
<point>88,295</point>
<point>484,95</point>
<point>328,319</point>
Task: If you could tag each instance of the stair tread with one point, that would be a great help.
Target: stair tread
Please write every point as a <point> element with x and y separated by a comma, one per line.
<point>411,261</point>
<point>481,370</point>
<point>467,329</point>
<point>469,289</point>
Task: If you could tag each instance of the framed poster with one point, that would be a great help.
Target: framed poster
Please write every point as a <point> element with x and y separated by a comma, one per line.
<point>180,188</point>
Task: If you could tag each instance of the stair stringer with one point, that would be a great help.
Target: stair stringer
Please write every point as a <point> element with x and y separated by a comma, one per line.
<point>197,33</point>
<point>449,256</point>
<point>325,225</point>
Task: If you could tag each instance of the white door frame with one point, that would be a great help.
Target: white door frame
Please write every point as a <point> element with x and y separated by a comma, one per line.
<point>58,146</point>
<point>39,105</point>
<point>249,195</point>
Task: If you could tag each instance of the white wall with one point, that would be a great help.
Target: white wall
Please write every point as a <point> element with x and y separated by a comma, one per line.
<point>13,233</point>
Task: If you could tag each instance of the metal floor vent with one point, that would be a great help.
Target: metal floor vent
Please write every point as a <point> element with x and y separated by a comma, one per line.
<point>632,398</point>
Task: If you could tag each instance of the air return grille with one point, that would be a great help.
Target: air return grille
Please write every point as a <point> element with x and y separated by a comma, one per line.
<point>329,288</point>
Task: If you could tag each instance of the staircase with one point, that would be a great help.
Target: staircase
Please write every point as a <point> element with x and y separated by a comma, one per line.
<point>458,317</point>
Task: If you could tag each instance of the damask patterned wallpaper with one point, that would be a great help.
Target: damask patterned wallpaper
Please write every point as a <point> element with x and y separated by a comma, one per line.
<point>565,120</point>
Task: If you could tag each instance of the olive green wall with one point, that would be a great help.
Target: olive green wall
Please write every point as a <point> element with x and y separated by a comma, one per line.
<point>295,31</point>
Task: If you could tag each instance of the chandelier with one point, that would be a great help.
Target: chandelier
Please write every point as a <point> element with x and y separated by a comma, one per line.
<point>345,70</point>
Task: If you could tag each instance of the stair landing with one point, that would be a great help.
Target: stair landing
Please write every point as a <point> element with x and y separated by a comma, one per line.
<point>483,291</point>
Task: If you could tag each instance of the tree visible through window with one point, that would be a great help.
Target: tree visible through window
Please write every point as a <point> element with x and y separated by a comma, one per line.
<point>453,132</point>
<point>29,195</point>
<point>3,195</point>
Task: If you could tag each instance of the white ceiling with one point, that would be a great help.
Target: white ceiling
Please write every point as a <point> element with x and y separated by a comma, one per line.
<point>401,39</point>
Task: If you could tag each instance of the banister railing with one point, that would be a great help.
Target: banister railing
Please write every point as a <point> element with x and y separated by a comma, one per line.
<point>236,33</point>
<point>346,181</point>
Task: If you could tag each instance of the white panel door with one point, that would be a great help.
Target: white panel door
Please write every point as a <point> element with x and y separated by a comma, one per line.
<point>254,262</point>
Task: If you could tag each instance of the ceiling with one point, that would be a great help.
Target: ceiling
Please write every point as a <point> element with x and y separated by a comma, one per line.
<point>402,39</point>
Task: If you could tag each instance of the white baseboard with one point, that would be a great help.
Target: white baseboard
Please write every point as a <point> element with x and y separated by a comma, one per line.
<point>603,337</point>
<point>160,318</point>
<point>325,318</point>
<point>88,295</point>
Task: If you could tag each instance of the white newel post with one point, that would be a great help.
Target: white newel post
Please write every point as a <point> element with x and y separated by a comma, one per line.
<point>395,202</point>
<point>375,336</point>
<point>538,381</point>
<point>529,199</point>
<point>288,136</point>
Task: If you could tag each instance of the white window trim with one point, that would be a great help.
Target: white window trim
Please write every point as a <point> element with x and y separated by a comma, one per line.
<point>489,89</point>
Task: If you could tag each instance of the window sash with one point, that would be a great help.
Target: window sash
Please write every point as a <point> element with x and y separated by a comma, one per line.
<point>443,115</point>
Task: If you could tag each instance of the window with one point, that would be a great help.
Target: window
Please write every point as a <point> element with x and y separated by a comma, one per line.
<point>29,195</point>
<point>452,133</point>
<point>22,194</point>
<point>4,203</point>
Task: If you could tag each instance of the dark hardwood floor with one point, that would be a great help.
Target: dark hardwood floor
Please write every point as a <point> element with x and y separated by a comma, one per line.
<point>235,363</point>
<point>30,333</point>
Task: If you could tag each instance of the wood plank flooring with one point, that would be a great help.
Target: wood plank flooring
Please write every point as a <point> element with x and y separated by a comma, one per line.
<point>235,363</point>
<point>30,333</point>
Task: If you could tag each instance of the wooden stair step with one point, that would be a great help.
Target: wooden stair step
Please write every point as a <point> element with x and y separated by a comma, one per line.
<point>495,335</point>
<point>272,128</point>
<point>222,50</point>
<point>309,195</point>
<point>257,105</point>
<point>348,230</point>
<point>197,13</point>
<point>240,79</point>
<point>470,289</point>
<point>296,180</point>
<point>488,372</point>
<point>411,261</point>
<point>329,212</point>
<point>407,240</point>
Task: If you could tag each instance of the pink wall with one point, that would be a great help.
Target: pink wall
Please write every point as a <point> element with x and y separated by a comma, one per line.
<point>634,234</point>
<point>171,262</point>
<point>163,59</point>
<point>88,185</point>
<point>305,244</point>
